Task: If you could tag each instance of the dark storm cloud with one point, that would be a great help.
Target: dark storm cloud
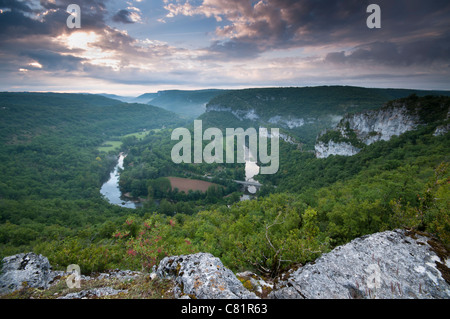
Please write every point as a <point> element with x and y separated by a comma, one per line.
<point>50,20</point>
<point>254,27</point>
<point>420,52</point>
<point>14,25</point>
<point>52,61</point>
<point>30,32</point>
<point>15,5</point>
<point>123,16</point>
<point>93,12</point>
<point>250,44</point>
<point>234,50</point>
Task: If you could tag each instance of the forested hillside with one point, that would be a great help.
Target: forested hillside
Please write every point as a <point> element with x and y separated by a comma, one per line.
<point>51,167</point>
<point>301,112</point>
<point>52,171</point>
<point>189,104</point>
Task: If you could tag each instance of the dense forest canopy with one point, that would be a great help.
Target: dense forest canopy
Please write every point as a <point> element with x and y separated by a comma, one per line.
<point>52,168</point>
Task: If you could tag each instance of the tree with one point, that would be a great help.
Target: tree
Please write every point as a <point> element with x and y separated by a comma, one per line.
<point>166,208</point>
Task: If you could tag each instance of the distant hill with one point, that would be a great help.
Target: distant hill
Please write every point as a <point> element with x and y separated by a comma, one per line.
<point>190,104</point>
<point>301,112</point>
<point>147,97</point>
<point>24,115</point>
<point>126,99</point>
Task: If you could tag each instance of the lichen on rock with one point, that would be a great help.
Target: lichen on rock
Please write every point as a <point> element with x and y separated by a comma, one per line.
<point>388,265</point>
<point>30,269</point>
<point>202,276</point>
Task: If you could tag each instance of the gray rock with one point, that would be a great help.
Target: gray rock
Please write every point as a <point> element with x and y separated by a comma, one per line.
<point>93,293</point>
<point>324,150</point>
<point>202,276</point>
<point>370,127</point>
<point>32,269</point>
<point>442,130</point>
<point>380,125</point>
<point>388,265</point>
<point>255,283</point>
<point>122,275</point>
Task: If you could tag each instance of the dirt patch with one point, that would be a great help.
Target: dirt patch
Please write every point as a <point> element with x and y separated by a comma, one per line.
<point>185,184</point>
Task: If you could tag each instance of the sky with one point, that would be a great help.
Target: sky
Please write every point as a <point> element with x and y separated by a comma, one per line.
<point>141,46</point>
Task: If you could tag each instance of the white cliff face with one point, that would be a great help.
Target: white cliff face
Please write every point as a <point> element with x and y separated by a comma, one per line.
<point>381,125</point>
<point>247,115</point>
<point>218,108</point>
<point>442,130</point>
<point>369,127</point>
<point>331,148</point>
<point>240,114</point>
<point>283,136</point>
<point>251,114</point>
<point>289,122</point>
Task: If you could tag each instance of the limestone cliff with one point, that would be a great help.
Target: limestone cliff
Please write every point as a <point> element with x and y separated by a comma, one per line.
<point>355,131</point>
<point>323,150</point>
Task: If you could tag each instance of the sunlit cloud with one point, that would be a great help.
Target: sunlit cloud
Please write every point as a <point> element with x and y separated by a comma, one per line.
<point>223,43</point>
<point>35,65</point>
<point>79,40</point>
<point>83,45</point>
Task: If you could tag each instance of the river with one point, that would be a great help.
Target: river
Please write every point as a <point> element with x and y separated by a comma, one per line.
<point>111,191</point>
<point>251,169</point>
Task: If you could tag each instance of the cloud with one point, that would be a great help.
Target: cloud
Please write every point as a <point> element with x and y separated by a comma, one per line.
<point>41,34</point>
<point>14,5</point>
<point>52,61</point>
<point>248,42</point>
<point>126,16</point>
<point>422,52</point>
<point>265,25</point>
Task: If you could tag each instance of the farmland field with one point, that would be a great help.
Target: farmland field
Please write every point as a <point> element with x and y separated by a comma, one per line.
<point>184,184</point>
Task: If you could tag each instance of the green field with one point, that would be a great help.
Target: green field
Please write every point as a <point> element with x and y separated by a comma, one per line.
<point>116,144</point>
<point>110,146</point>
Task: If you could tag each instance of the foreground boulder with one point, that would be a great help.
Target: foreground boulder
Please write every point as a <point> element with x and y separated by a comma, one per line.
<point>394,264</point>
<point>202,276</point>
<point>388,265</point>
<point>25,269</point>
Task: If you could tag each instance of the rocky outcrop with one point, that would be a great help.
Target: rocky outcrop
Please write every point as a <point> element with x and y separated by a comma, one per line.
<point>366,128</point>
<point>442,130</point>
<point>93,293</point>
<point>202,276</point>
<point>255,283</point>
<point>288,121</point>
<point>388,265</point>
<point>323,150</point>
<point>381,125</point>
<point>25,269</point>
<point>240,114</point>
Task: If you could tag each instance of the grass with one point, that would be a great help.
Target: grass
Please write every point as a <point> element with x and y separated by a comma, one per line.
<point>115,145</point>
<point>139,135</point>
<point>110,146</point>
